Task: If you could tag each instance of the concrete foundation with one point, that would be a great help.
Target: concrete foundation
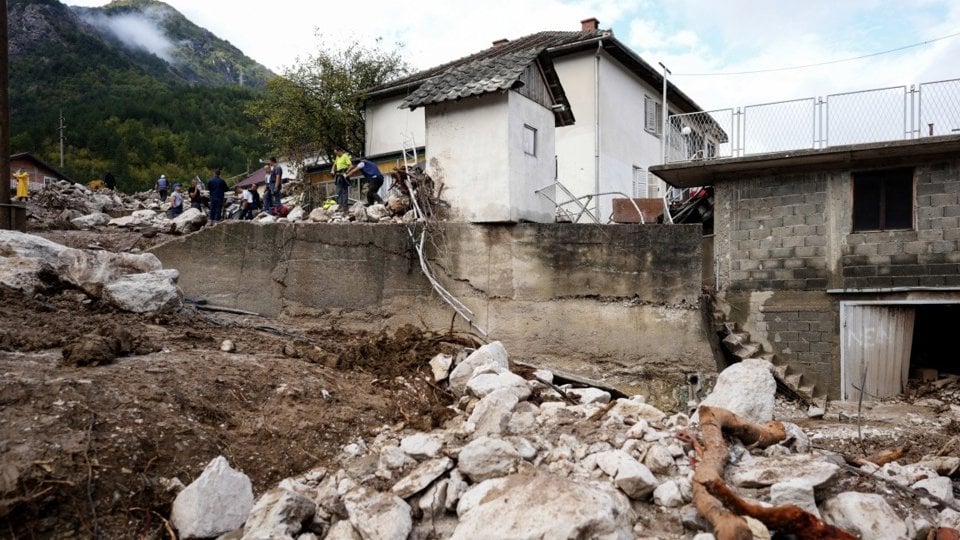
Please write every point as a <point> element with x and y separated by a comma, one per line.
<point>617,304</point>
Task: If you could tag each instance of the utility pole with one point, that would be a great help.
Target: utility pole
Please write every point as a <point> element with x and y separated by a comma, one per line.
<point>62,127</point>
<point>6,212</point>
<point>664,112</point>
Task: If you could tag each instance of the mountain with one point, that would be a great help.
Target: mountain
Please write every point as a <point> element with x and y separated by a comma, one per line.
<point>142,91</point>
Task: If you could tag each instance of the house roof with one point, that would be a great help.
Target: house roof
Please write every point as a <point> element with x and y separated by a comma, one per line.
<point>30,157</point>
<point>498,67</point>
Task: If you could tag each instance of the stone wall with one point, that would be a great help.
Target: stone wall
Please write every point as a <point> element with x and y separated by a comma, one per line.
<point>613,303</point>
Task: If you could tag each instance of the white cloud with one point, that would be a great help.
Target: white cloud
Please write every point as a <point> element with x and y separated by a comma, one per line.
<point>137,31</point>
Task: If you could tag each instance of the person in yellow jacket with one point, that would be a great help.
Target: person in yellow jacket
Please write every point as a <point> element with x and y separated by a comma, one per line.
<point>23,184</point>
<point>341,163</point>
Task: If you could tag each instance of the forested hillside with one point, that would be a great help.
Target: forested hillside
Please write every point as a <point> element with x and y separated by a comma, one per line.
<point>125,108</point>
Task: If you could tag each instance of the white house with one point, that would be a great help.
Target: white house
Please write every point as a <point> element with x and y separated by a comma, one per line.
<point>615,95</point>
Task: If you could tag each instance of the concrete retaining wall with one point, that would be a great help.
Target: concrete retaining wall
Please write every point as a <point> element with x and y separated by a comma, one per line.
<point>614,303</point>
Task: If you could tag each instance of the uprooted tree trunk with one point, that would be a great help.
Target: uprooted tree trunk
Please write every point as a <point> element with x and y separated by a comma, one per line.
<point>717,502</point>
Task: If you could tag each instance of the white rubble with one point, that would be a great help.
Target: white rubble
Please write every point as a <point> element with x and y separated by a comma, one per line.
<point>866,514</point>
<point>89,221</point>
<point>747,389</point>
<point>278,514</point>
<point>189,221</point>
<point>766,471</point>
<point>421,445</point>
<point>377,515</point>
<point>218,501</point>
<point>486,458</point>
<point>440,366</point>
<point>542,505</point>
<point>796,491</point>
<point>490,356</point>
<point>152,292</point>
<point>422,476</point>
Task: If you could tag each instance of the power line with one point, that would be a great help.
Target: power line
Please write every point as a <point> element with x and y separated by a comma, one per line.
<point>771,70</point>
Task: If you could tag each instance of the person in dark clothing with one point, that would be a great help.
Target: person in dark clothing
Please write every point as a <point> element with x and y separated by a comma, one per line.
<point>110,181</point>
<point>218,190</point>
<point>374,178</point>
<point>195,194</point>
<point>276,181</point>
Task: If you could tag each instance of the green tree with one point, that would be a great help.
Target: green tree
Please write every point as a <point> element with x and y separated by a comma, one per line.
<point>318,104</point>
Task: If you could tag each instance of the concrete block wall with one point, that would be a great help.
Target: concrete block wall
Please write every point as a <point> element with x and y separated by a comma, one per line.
<point>771,233</point>
<point>928,255</point>
<point>783,240</point>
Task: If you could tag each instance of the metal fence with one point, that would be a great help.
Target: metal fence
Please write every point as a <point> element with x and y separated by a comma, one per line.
<point>882,114</point>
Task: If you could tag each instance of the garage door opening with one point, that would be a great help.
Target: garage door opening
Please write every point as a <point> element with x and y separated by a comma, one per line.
<point>935,338</point>
<point>880,344</point>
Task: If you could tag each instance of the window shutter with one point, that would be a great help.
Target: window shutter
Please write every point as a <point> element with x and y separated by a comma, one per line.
<point>650,114</point>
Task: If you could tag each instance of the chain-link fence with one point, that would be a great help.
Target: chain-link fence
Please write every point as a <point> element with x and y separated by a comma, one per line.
<point>882,114</point>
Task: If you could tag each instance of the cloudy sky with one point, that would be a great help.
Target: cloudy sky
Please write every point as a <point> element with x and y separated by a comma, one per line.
<point>692,37</point>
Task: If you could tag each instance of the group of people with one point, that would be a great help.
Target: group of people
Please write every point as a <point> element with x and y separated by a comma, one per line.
<point>216,186</point>
<point>343,168</point>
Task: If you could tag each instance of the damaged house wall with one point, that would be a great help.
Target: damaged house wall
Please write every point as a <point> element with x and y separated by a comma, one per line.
<point>616,304</point>
<point>792,265</point>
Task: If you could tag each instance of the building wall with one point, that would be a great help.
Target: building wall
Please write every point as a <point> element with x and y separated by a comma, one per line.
<point>617,304</point>
<point>386,123</point>
<point>37,173</point>
<point>475,148</point>
<point>783,241</point>
<point>624,141</point>
<point>528,173</point>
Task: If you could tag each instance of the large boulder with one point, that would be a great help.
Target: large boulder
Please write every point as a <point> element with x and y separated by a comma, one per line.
<point>766,471</point>
<point>151,292</point>
<point>91,270</point>
<point>543,505</point>
<point>189,221</point>
<point>90,221</point>
<point>218,501</point>
<point>746,389</point>
<point>16,243</point>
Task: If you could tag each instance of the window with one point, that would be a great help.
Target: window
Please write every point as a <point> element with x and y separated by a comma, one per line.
<point>529,140</point>
<point>652,115</point>
<point>883,200</point>
<point>639,182</point>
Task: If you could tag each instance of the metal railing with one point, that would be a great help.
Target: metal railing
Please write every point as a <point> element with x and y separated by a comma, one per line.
<point>876,115</point>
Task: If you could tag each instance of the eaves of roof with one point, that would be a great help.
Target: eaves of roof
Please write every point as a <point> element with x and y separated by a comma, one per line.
<point>35,159</point>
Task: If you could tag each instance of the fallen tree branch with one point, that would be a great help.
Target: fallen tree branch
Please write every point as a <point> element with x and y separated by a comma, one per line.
<point>721,506</point>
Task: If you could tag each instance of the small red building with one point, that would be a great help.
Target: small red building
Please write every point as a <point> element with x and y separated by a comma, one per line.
<point>41,173</point>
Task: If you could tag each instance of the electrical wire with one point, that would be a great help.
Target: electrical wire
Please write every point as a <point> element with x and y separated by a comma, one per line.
<point>861,57</point>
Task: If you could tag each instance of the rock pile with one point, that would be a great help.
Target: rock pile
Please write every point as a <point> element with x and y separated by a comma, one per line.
<point>132,282</point>
<point>519,461</point>
<point>63,204</point>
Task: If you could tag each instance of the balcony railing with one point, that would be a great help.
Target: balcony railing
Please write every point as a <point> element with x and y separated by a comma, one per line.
<point>876,115</point>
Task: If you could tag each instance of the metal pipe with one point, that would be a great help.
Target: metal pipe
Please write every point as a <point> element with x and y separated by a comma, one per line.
<point>596,120</point>
<point>664,113</point>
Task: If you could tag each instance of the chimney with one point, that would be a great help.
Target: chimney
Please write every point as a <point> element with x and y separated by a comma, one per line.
<point>589,25</point>
<point>500,42</point>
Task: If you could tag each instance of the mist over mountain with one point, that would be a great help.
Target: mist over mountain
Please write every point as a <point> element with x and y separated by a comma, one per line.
<point>143,91</point>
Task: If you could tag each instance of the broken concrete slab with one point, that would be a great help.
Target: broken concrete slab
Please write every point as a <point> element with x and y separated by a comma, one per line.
<point>766,471</point>
<point>421,477</point>
<point>492,354</point>
<point>278,514</point>
<point>486,458</point>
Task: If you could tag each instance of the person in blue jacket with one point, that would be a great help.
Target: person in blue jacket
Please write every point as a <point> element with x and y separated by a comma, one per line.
<point>373,175</point>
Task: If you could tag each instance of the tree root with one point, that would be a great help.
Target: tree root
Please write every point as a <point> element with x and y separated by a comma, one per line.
<point>719,505</point>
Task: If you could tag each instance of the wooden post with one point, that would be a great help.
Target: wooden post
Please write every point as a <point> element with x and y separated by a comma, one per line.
<point>6,213</point>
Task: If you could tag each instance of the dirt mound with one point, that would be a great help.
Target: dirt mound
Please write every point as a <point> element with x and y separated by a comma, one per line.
<point>91,452</point>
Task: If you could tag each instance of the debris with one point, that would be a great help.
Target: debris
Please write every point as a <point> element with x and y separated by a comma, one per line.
<point>218,501</point>
<point>866,514</point>
<point>747,389</point>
